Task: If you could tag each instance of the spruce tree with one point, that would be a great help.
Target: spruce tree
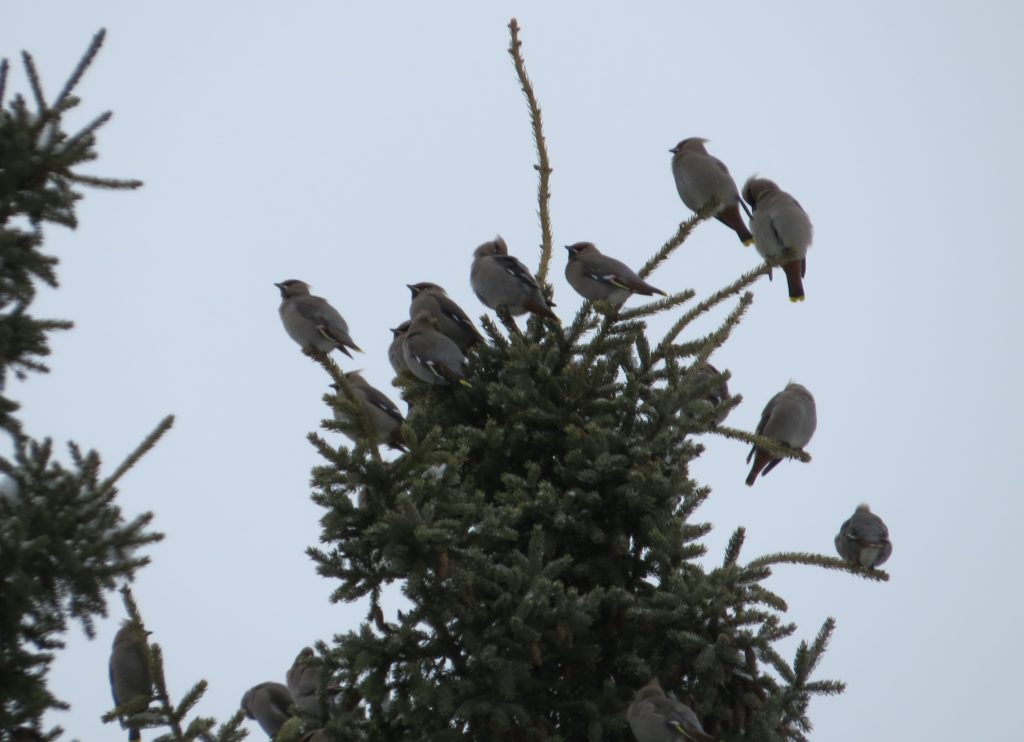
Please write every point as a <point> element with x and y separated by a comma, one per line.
<point>544,529</point>
<point>64,542</point>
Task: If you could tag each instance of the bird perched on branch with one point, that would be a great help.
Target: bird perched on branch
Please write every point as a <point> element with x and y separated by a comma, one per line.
<point>598,277</point>
<point>385,417</point>
<point>789,417</point>
<point>431,356</point>
<point>452,321</point>
<point>864,539</point>
<point>654,717</point>
<point>782,230</point>
<point>303,679</point>
<point>310,321</point>
<point>500,280</point>
<point>701,178</point>
<point>268,704</point>
<point>129,670</point>
<point>396,351</point>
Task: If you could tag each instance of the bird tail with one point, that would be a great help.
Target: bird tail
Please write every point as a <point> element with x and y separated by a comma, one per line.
<point>543,311</point>
<point>762,459</point>
<point>794,270</point>
<point>730,217</point>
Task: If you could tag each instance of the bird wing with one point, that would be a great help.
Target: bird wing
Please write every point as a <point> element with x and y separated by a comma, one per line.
<point>380,400</point>
<point>517,270</point>
<point>454,312</point>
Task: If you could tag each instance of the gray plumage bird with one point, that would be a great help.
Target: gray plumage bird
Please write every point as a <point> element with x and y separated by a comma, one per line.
<point>452,321</point>
<point>782,230</point>
<point>303,679</point>
<point>396,351</point>
<point>718,391</point>
<point>431,356</point>
<point>268,704</point>
<point>385,417</point>
<point>129,670</point>
<point>864,539</point>
<point>310,321</point>
<point>700,178</point>
<point>654,717</point>
<point>500,280</point>
<point>790,417</point>
<point>599,277</point>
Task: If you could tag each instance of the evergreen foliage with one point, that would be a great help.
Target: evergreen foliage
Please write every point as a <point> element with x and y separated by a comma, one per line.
<point>543,528</point>
<point>64,543</point>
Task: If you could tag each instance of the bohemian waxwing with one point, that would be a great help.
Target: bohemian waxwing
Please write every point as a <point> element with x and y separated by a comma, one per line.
<point>701,178</point>
<point>303,679</point>
<point>654,717</point>
<point>500,280</point>
<point>719,391</point>
<point>385,417</point>
<point>863,539</point>
<point>452,321</point>
<point>431,356</point>
<point>782,230</point>
<point>129,669</point>
<point>396,351</point>
<point>789,417</point>
<point>311,321</point>
<point>600,278</point>
<point>268,704</point>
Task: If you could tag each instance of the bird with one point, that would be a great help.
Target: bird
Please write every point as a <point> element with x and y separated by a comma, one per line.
<point>700,178</point>
<point>782,230</point>
<point>268,704</point>
<point>718,391</point>
<point>303,679</point>
<point>500,280</point>
<point>384,414</point>
<point>452,321</point>
<point>129,670</point>
<point>789,417</point>
<point>654,717</point>
<point>396,351</point>
<point>601,278</point>
<point>863,539</point>
<point>431,356</point>
<point>310,321</point>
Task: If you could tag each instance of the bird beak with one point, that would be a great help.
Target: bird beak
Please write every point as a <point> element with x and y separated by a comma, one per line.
<point>279,285</point>
<point>569,248</point>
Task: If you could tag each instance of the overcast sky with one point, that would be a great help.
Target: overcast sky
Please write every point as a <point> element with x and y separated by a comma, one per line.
<point>365,147</point>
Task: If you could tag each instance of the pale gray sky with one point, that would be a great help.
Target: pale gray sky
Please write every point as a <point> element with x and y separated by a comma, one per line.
<point>364,147</point>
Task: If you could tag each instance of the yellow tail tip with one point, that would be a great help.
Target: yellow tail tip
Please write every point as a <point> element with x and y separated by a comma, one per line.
<point>465,383</point>
<point>747,243</point>
<point>795,299</point>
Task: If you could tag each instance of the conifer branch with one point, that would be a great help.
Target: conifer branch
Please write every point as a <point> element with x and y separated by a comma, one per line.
<point>819,560</point>
<point>677,239</point>
<point>543,166</point>
<point>141,450</point>
<point>35,83</point>
<point>83,137</point>
<point>769,444</point>
<point>4,67</point>
<point>354,406</point>
<point>81,67</point>
<point>732,550</point>
<point>112,184</point>
<point>716,298</point>
<point>658,305</point>
<point>717,338</point>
